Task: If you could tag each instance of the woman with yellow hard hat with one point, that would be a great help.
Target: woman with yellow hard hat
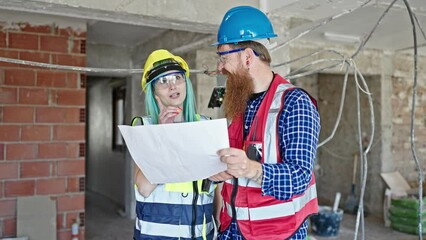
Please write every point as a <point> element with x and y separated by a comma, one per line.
<point>172,210</point>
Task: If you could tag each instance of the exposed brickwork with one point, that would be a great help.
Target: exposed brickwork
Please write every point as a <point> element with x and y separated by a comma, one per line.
<point>8,208</point>
<point>35,56</point>
<point>401,100</point>
<point>24,151</point>
<point>40,122</point>
<point>52,151</point>
<point>1,154</point>
<point>9,226</point>
<point>16,114</point>
<point>33,96</point>
<point>73,184</point>
<point>69,168</point>
<point>9,133</point>
<point>51,79</point>
<point>35,169</point>
<point>69,133</point>
<point>50,186</point>
<point>9,170</point>
<point>8,95</point>
<point>35,133</point>
<point>19,188</point>
<point>57,115</point>
<point>22,77</point>
<point>71,97</point>
<point>23,41</point>
<point>70,202</point>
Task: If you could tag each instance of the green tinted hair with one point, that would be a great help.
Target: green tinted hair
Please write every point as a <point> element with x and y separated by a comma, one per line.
<point>189,107</point>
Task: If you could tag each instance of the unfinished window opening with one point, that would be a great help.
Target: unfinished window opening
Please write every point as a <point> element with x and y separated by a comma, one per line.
<point>118,101</point>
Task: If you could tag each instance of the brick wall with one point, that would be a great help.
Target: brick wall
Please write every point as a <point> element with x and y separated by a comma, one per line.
<point>42,123</point>
<point>402,97</point>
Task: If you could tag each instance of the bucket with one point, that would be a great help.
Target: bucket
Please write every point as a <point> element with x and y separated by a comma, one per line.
<point>326,223</point>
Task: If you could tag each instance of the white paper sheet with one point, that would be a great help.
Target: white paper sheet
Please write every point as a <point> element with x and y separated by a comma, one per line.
<point>179,152</point>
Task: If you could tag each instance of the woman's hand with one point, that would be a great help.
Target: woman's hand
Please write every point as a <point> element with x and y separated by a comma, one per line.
<point>167,113</point>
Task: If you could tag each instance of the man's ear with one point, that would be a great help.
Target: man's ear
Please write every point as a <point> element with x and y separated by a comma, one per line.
<point>249,56</point>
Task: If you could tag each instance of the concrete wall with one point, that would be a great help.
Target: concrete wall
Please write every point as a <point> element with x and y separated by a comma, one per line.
<point>337,156</point>
<point>390,79</point>
<point>109,171</point>
<point>105,167</point>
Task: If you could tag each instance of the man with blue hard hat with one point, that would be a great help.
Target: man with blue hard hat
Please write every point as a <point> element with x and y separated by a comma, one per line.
<point>269,189</point>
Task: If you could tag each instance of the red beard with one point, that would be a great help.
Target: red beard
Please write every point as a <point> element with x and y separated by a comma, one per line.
<point>239,88</point>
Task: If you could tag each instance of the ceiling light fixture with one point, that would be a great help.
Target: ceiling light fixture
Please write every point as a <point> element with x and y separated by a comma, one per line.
<point>342,37</point>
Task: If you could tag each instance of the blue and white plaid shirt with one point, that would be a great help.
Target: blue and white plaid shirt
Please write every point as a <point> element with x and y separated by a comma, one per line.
<point>298,130</point>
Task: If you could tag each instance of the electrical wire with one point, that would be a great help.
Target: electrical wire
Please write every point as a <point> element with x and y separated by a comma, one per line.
<point>360,210</point>
<point>309,55</point>
<point>368,36</point>
<point>72,68</point>
<point>318,25</point>
<point>413,108</point>
<point>339,113</point>
<point>114,71</point>
<point>364,158</point>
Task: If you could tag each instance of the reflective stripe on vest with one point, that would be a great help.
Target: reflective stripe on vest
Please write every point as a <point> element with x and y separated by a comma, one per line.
<point>167,230</point>
<point>274,211</point>
<point>160,195</point>
<point>270,140</point>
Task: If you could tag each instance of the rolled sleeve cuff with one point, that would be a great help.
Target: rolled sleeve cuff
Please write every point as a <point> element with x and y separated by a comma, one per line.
<point>267,181</point>
<point>276,182</point>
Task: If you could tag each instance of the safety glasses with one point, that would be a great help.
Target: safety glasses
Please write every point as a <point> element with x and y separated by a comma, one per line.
<point>223,59</point>
<point>221,55</point>
<point>172,78</point>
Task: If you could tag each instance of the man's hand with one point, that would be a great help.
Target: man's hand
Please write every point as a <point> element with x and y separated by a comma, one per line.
<point>239,165</point>
<point>220,177</point>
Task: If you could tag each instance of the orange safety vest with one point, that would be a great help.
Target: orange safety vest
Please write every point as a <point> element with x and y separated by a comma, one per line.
<point>264,217</point>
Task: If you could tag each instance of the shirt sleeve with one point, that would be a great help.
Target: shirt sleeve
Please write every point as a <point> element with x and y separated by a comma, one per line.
<point>298,129</point>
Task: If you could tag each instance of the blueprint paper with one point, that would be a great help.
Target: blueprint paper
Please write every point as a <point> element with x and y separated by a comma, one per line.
<point>177,152</point>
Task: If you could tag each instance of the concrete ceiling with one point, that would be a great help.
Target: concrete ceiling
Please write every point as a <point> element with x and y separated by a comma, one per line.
<point>393,33</point>
<point>119,34</point>
<point>129,23</point>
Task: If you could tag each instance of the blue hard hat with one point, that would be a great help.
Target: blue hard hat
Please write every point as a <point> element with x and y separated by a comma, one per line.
<point>244,23</point>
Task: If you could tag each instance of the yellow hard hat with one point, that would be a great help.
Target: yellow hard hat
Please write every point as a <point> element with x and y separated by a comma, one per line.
<point>159,62</point>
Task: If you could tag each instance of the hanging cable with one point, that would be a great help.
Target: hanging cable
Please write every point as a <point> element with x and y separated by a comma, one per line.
<point>364,159</point>
<point>339,113</point>
<point>360,209</point>
<point>367,37</point>
<point>318,25</point>
<point>413,108</point>
<point>115,71</point>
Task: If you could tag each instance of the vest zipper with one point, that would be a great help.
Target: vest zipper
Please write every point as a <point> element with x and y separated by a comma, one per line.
<point>194,208</point>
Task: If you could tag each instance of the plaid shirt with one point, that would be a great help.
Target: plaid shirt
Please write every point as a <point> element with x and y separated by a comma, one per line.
<point>298,130</point>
